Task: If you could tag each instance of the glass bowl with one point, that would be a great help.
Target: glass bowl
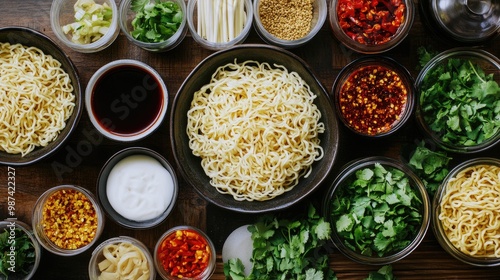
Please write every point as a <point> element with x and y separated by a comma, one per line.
<point>360,205</point>
<point>170,36</point>
<point>75,233</point>
<point>106,259</point>
<point>279,24</point>
<point>374,96</point>
<point>85,26</point>
<point>126,100</point>
<point>457,92</point>
<point>463,219</point>
<point>20,231</point>
<point>121,191</point>
<point>198,244</point>
<point>348,26</point>
<point>212,39</point>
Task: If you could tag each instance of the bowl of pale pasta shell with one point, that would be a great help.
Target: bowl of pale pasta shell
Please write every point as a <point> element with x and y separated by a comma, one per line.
<point>465,219</point>
<point>40,99</point>
<point>253,130</point>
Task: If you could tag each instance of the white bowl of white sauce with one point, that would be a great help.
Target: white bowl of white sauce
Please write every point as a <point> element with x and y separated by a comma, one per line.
<point>137,188</point>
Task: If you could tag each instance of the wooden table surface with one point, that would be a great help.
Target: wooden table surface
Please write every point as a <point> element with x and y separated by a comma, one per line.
<point>326,57</point>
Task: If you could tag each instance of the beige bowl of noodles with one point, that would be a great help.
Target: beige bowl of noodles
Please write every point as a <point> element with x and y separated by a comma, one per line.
<point>253,130</point>
<point>30,133</point>
<point>466,220</point>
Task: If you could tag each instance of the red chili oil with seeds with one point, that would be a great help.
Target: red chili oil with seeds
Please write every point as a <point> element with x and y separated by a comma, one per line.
<point>372,99</point>
<point>184,254</point>
<point>370,22</point>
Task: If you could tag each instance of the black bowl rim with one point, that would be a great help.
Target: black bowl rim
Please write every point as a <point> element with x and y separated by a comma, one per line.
<point>255,206</point>
<point>101,188</point>
<point>28,34</point>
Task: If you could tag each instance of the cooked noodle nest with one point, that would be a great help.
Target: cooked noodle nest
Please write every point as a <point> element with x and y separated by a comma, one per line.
<point>256,129</point>
<point>123,260</point>
<point>36,97</point>
<point>470,211</point>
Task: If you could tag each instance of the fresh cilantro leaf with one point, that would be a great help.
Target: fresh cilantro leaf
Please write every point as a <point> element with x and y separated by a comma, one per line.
<point>384,273</point>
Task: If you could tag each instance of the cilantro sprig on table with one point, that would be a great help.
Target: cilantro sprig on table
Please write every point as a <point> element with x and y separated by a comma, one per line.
<point>377,211</point>
<point>430,166</point>
<point>155,22</point>
<point>286,249</point>
<point>460,102</point>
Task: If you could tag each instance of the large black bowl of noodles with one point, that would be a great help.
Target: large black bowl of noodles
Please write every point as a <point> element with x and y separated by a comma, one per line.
<point>40,103</point>
<point>263,129</point>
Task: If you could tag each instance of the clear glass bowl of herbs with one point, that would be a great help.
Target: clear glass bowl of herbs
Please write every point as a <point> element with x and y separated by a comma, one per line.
<point>459,100</point>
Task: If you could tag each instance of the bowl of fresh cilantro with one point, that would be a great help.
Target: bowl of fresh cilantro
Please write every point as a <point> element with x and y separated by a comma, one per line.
<point>21,251</point>
<point>459,99</point>
<point>379,210</point>
<point>154,25</point>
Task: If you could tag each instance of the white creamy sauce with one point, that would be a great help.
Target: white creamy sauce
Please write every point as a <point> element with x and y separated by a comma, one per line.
<point>239,245</point>
<point>139,188</point>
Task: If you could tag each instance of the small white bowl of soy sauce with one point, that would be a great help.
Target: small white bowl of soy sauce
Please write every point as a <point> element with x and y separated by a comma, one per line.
<point>126,100</point>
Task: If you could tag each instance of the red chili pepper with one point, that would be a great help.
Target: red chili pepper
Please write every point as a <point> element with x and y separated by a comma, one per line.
<point>184,253</point>
<point>372,99</point>
<point>370,21</point>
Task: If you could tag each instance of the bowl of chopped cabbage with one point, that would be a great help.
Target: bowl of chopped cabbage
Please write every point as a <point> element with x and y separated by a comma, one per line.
<point>85,26</point>
<point>379,210</point>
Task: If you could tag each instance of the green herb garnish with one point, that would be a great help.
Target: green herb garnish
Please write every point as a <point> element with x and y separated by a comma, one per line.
<point>24,253</point>
<point>286,249</point>
<point>377,211</point>
<point>430,166</point>
<point>384,273</point>
<point>155,22</point>
<point>460,103</point>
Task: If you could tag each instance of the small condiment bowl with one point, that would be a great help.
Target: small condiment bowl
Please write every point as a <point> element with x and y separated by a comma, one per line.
<point>457,118</point>
<point>12,226</point>
<point>48,208</point>
<point>346,197</point>
<point>363,37</point>
<point>474,196</point>
<point>128,14</point>
<point>115,247</point>
<point>266,16</point>
<point>208,39</point>
<point>207,257</point>
<point>126,100</point>
<point>63,14</point>
<point>372,109</point>
<point>150,157</point>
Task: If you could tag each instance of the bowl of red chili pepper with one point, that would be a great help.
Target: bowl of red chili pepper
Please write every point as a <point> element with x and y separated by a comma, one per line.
<point>185,252</point>
<point>374,96</point>
<point>372,26</point>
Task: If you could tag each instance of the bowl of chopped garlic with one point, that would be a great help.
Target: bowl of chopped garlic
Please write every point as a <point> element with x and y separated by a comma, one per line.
<point>288,24</point>
<point>67,220</point>
<point>219,24</point>
<point>121,257</point>
<point>85,26</point>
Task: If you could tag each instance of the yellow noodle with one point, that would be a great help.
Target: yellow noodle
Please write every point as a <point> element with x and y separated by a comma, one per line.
<point>36,98</point>
<point>470,211</point>
<point>256,130</point>
<point>123,261</point>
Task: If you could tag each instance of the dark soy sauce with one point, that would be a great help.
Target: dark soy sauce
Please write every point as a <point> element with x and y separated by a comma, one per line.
<point>127,100</point>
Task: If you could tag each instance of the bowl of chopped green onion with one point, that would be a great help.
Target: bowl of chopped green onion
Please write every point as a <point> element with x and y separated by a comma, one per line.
<point>154,25</point>
<point>21,251</point>
<point>379,210</point>
<point>458,102</point>
<point>85,26</point>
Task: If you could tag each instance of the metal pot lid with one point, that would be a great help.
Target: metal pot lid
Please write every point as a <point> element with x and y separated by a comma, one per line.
<point>468,20</point>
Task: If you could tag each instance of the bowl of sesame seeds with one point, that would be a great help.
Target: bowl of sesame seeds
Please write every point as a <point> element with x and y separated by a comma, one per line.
<point>67,220</point>
<point>288,24</point>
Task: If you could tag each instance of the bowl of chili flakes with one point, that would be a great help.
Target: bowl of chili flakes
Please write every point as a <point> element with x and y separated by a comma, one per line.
<point>371,26</point>
<point>374,96</point>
